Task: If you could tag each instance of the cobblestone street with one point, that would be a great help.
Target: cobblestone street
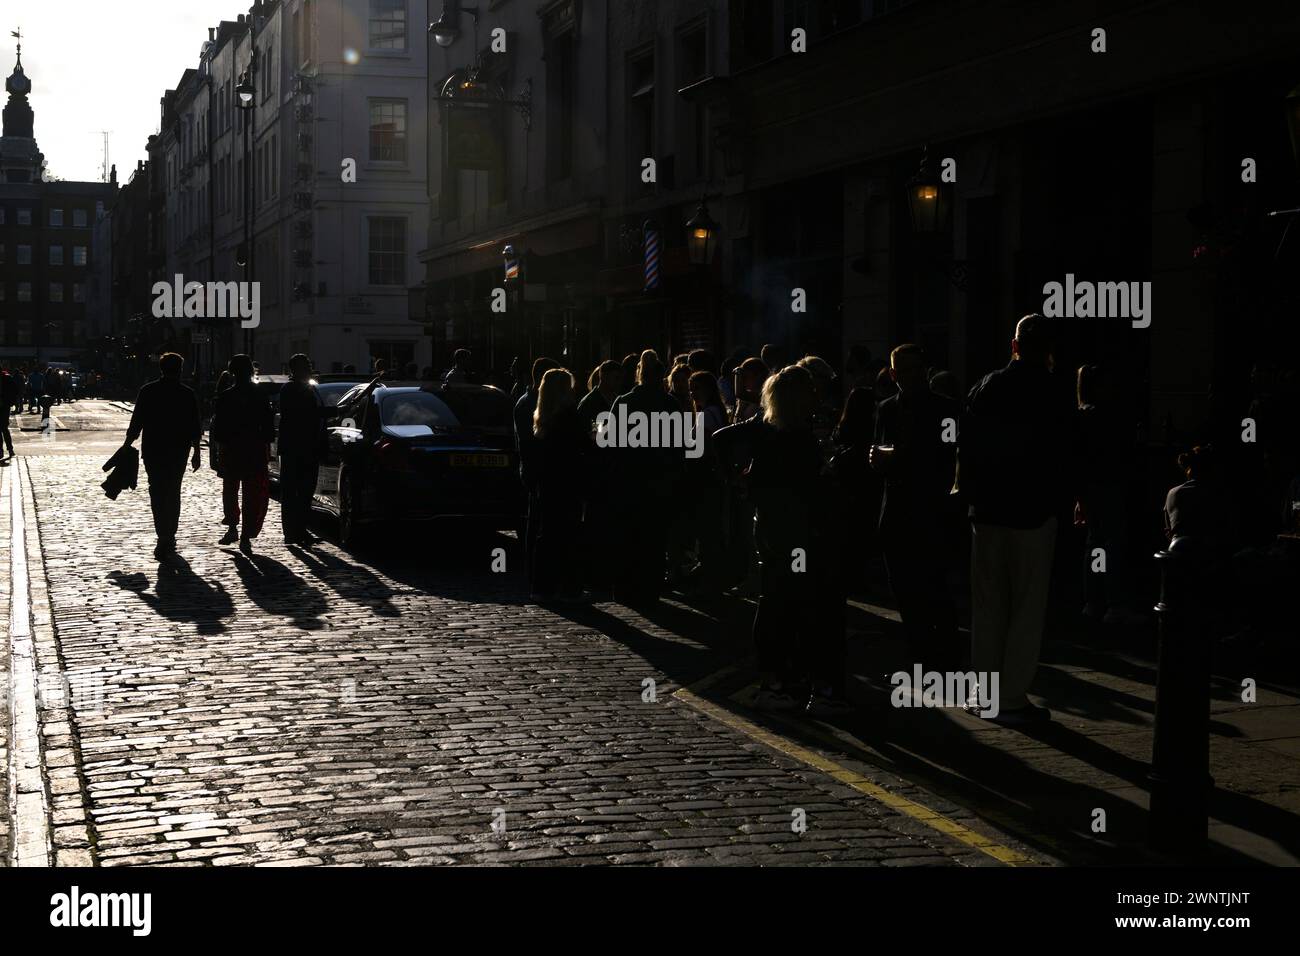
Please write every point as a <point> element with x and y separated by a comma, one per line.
<point>400,706</point>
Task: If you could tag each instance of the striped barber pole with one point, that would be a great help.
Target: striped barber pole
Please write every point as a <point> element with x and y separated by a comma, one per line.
<point>651,256</point>
<point>512,263</point>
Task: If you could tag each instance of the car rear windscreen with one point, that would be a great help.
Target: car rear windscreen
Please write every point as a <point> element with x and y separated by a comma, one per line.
<point>488,410</point>
<point>416,408</point>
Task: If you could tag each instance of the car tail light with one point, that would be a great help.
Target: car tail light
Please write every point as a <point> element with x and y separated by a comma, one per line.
<point>392,455</point>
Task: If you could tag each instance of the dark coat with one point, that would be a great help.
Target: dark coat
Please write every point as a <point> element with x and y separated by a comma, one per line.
<point>1018,447</point>
<point>167,415</point>
<point>124,471</point>
<point>244,424</point>
<point>302,417</point>
<point>916,489</point>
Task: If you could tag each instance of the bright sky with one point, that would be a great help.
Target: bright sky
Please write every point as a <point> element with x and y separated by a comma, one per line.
<point>104,65</point>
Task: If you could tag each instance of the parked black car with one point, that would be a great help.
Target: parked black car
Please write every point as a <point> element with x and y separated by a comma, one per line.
<point>420,453</point>
<point>330,392</point>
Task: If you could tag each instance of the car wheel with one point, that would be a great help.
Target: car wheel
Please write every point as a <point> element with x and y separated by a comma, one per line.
<point>351,530</point>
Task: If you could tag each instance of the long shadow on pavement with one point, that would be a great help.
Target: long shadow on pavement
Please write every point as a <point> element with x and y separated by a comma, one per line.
<point>181,595</point>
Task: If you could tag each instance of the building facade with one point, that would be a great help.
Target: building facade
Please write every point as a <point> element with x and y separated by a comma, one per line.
<point>316,191</point>
<point>53,251</point>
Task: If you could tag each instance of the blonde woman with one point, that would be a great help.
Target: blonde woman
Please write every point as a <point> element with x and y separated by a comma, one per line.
<point>563,445</point>
<point>798,628</point>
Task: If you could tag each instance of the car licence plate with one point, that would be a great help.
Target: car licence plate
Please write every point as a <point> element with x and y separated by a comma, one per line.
<point>480,461</point>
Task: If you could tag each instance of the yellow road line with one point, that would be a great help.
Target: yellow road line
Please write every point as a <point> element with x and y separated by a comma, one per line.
<point>911,808</point>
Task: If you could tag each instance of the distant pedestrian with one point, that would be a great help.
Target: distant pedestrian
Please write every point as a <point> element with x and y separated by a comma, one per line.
<point>748,389</point>
<point>603,388</point>
<point>243,425</point>
<point>562,447</point>
<point>646,480</point>
<point>773,357</point>
<point>166,415</point>
<point>525,446</point>
<point>915,450</point>
<point>1016,471</point>
<point>679,386</point>
<point>35,389</point>
<point>302,419</point>
<point>460,370</point>
<point>9,390</point>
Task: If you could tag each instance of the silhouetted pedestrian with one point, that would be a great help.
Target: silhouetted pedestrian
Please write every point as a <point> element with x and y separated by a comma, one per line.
<point>1016,470</point>
<point>646,481</point>
<point>562,445</point>
<point>166,417</point>
<point>298,447</point>
<point>243,425</point>
<point>916,451</point>
<point>525,442</point>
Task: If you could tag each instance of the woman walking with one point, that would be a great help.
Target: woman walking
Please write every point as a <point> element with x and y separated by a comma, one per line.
<point>243,426</point>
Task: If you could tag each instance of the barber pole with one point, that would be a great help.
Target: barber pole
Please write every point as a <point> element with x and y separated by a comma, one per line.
<point>651,256</point>
<point>512,263</point>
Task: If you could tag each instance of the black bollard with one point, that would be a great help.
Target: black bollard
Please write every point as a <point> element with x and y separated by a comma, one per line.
<point>1180,781</point>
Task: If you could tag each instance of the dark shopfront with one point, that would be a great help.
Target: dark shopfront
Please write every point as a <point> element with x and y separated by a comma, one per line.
<point>680,316</point>
<point>548,309</point>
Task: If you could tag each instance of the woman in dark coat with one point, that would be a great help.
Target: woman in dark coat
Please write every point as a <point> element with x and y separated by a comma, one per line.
<point>798,628</point>
<point>563,446</point>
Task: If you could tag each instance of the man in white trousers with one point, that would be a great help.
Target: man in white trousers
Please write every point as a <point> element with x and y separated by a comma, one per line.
<point>1017,442</point>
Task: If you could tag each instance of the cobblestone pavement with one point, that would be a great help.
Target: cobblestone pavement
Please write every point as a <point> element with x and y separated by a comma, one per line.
<point>403,706</point>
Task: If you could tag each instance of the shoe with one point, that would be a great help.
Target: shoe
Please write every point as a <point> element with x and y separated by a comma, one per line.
<point>774,699</point>
<point>1123,617</point>
<point>1027,716</point>
<point>827,705</point>
<point>246,545</point>
<point>230,537</point>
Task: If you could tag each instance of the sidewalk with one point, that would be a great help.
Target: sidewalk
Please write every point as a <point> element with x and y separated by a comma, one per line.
<point>1043,785</point>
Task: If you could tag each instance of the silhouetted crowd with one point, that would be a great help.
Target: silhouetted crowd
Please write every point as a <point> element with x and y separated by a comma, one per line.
<point>805,474</point>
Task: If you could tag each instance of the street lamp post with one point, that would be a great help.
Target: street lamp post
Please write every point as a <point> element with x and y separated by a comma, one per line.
<point>446,29</point>
<point>701,236</point>
<point>245,100</point>
<point>927,200</point>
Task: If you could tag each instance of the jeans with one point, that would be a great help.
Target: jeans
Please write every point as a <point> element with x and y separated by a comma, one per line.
<point>297,486</point>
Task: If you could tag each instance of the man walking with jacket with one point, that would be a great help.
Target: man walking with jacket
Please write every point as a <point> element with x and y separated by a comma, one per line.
<point>167,416</point>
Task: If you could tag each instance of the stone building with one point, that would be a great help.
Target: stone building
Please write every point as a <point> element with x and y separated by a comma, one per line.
<point>50,244</point>
<point>332,81</point>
